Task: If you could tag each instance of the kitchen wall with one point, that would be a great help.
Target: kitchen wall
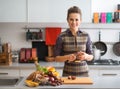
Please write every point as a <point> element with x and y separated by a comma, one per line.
<point>15,33</point>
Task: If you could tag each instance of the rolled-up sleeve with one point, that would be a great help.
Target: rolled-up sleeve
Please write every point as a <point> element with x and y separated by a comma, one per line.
<point>89,49</point>
<point>58,46</point>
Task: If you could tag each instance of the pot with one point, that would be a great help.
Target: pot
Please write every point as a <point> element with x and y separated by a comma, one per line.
<point>97,53</point>
<point>116,47</point>
<point>101,45</point>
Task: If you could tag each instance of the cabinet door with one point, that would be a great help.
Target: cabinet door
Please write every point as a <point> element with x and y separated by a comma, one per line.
<point>93,73</point>
<point>12,10</point>
<point>110,73</point>
<point>9,72</point>
<point>26,72</point>
<point>55,10</point>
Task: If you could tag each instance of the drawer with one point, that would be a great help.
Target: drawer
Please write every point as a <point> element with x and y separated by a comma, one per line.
<point>9,72</point>
<point>26,72</point>
<point>93,73</point>
<point>109,73</point>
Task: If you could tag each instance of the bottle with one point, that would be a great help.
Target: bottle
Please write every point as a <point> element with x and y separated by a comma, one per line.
<point>117,14</point>
<point>28,35</point>
<point>40,34</point>
<point>0,46</point>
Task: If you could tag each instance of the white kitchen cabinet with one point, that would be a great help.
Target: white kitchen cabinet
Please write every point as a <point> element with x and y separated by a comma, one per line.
<point>26,72</point>
<point>12,10</point>
<point>110,73</point>
<point>9,72</point>
<point>93,73</point>
<point>56,10</point>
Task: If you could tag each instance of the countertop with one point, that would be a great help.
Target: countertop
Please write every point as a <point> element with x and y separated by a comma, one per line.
<point>98,83</point>
<point>57,65</point>
<point>104,82</point>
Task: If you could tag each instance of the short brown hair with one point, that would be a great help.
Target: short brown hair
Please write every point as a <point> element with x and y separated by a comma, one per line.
<point>74,9</point>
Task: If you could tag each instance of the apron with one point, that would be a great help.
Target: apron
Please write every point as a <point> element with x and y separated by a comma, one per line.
<point>73,44</point>
<point>75,69</point>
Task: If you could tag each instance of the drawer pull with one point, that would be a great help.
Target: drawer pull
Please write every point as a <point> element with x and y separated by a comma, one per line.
<point>109,74</point>
<point>3,73</point>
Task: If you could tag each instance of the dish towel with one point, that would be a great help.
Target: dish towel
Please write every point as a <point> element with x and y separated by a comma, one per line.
<point>51,35</point>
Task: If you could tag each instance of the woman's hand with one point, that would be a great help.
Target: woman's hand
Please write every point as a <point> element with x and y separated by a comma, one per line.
<point>72,57</point>
<point>81,55</point>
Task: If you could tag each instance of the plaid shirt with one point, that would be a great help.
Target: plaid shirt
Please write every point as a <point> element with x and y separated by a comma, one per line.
<point>60,42</point>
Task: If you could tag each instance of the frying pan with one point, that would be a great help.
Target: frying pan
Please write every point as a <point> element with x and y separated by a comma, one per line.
<point>116,47</point>
<point>101,45</point>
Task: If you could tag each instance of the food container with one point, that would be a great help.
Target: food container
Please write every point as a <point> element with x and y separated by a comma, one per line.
<point>96,54</point>
<point>116,16</point>
<point>96,17</point>
<point>109,17</point>
<point>103,17</point>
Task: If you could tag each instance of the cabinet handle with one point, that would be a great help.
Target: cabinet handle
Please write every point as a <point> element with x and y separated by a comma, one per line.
<point>3,73</point>
<point>109,74</point>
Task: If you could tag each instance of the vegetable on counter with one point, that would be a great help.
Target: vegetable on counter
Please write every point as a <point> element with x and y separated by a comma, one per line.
<point>43,76</point>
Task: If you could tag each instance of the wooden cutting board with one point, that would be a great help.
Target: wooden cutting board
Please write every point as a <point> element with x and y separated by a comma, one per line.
<point>78,80</point>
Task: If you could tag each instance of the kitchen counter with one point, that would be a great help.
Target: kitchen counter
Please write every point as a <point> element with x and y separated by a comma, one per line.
<point>57,65</point>
<point>98,83</point>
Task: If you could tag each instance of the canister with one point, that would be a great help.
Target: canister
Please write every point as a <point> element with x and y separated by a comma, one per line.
<point>116,16</point>
<point>109,17</point>
<point>118,7</point>
<point>96,17</point>
<point>103,17</point>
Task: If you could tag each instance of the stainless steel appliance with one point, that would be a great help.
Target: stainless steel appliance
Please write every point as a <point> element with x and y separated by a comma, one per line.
<point>104,62</point>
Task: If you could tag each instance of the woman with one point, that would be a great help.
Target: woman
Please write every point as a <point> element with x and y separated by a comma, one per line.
<point>74,46</point>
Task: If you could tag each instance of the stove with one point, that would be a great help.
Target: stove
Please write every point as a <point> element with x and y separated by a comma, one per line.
<point>104,62</point>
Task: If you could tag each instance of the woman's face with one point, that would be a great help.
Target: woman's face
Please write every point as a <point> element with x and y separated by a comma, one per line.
<point>74,21</point>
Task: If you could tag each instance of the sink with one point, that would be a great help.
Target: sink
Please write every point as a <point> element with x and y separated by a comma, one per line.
<point>10,81</point>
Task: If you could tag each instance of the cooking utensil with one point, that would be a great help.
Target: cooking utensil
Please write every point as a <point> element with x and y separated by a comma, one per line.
<point>116,47</point>
<point>97,53</point>
<point>101,45</point>
<point>80,80</point>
